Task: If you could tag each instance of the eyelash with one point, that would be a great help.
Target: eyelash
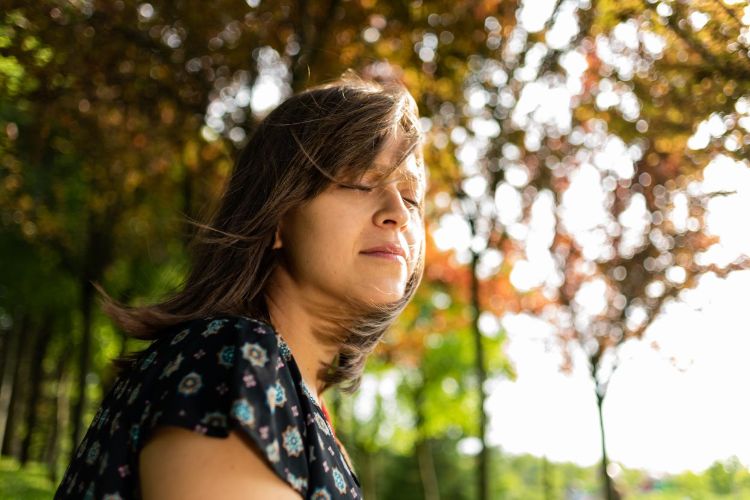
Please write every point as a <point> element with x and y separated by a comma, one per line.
<point>366,189</point>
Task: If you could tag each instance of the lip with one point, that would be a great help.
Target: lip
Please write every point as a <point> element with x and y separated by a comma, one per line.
<point>391,251</point>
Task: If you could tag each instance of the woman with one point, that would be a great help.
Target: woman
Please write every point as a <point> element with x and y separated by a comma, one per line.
<point>317,246</point>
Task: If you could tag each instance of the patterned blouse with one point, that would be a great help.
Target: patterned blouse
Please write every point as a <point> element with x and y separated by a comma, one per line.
<point>211,375</point>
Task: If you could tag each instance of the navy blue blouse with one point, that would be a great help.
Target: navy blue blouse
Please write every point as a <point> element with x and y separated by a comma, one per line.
<point>211,375</point>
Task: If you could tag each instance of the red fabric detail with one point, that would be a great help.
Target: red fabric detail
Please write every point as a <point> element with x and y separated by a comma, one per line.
<point>325,412</point>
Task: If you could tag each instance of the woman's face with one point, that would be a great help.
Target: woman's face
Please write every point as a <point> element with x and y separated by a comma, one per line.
<point>345,242</point>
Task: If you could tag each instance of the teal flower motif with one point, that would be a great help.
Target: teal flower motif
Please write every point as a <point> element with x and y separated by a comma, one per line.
<point>226,356</point>
<point>215,419</point>
<point>322,424</point>
<point>286,353</point>
<point>276,396</point>
<point>135,432</point>
<point>93,453</point>
<point>298,483</point>
<point>243,412</point>
<point>148,360</point>
<point>134,394</point>
<point>213,327</point>
<point>272,451</point>
<point>254,353</point>
<point>172,366</point>
<point>321,494</point>
<point>122,384</point>
<point>115,424</point>
<point>338,480</point>
<point>293,441</point>
<point>190,384</point>
<point>89,495</point>
<point>103,417</point>
<point>180,336</point>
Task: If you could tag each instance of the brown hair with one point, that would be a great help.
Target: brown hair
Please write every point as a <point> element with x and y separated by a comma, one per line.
<point>322,135</point>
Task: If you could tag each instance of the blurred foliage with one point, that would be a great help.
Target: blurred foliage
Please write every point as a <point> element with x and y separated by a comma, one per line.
<point>520,477</point>
<point>119,119</point>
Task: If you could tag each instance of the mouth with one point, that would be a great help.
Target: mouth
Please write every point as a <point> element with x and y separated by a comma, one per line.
<point>391,252</point>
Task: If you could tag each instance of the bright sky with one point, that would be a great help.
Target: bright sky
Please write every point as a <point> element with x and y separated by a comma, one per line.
<point>680,407</point>
<point>660,415</point>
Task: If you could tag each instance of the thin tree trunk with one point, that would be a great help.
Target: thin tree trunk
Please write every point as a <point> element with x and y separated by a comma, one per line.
<point>96,258</point>
<point>609,487</point>
<point>423,449</point>
<point>187,204</point>
<point>60,419</point>
<point>37,379</point>
<point>369,487</point>
<point>427,470</point>
<point>10,367</point>
<point>313,33</point>
<point>4,356</point>
<point>482,457</point>
<point>84,363</point>
<point>11,438</point>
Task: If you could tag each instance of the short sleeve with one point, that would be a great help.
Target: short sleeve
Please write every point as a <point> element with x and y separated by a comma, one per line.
<point>228,373</point>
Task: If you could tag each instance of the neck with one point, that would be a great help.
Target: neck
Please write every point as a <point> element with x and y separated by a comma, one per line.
<point>291,316</point>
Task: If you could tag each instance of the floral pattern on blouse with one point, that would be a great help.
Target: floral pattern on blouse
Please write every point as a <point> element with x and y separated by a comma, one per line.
<point>210,375</point>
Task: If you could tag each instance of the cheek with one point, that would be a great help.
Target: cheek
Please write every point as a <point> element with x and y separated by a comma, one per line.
<point>415,238</point>
<point>320,241</point>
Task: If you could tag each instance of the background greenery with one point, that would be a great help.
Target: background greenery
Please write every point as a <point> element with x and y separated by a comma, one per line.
<point>119,119</point>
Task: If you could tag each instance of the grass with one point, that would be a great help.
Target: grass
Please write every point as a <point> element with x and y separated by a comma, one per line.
<point>27,483</point>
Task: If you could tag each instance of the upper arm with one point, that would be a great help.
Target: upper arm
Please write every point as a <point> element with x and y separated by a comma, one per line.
<point>177,463</point>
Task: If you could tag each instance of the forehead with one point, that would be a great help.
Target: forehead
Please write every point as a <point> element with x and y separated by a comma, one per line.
<point>390,162</point>
<point>409,170</point>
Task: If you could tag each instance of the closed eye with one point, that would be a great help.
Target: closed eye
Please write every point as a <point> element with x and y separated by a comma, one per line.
<point>368,189</point>
<point>411,202</point>
<point>356,187</point>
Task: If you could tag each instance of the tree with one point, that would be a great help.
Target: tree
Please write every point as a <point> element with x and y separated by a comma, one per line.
<point>640,240</point>
<point>157,97</point>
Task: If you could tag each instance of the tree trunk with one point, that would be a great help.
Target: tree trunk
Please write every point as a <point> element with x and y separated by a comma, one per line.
<point>5,342</point>
<point>37,379</point>
<point>608,485</point>
<point>11,359</point>
<point>427,470</point>
<point>423,449</point>
<point>187,204</point>
<point>84,363</point>
<point>61,415</point>
<point>11,439</point>
<point>371,473</point>
<point>313,33</point>
<point>482,457</point>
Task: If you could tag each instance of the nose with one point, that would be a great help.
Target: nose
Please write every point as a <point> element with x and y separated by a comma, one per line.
<point>392,211</point>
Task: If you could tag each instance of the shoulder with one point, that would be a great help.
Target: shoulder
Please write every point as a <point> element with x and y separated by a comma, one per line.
<point>228,373</point>
<point>223,326</point>
<point>209,346</point>
<point>194,371</point>
<point>220,335</point>
<point>167,466</point>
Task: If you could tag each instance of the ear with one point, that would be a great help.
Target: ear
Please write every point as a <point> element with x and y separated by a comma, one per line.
<point>277,238</point>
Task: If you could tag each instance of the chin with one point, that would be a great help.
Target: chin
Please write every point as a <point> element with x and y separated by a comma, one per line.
<point>386,295</point>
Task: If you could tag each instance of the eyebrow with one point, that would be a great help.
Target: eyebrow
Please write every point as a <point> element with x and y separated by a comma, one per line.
<point>411,176</point>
